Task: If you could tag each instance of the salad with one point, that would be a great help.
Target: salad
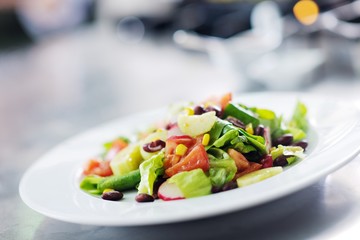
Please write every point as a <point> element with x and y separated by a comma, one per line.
<point>199,149</point>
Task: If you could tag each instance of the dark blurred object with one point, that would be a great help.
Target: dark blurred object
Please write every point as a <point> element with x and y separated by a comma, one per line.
<point>12,33</point>
<point>221,18</point>
<point>24,20</point>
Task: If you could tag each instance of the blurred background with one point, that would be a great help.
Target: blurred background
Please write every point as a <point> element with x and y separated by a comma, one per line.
<point>63,58</point>
<point>69,65</point>
<point>66,66</point>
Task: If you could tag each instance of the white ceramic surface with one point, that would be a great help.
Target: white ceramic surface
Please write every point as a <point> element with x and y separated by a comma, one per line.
<point>51,185</point>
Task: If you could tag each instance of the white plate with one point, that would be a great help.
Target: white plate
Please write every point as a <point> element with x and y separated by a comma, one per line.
<point>51,185</point>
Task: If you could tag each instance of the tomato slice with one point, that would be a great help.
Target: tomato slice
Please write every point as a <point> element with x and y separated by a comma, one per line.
<point>98,167</point>
<point>116,146</point>
<point>173,141</point>
<point>225,99</point>
<point>196,158</point>
<point>119,144</point>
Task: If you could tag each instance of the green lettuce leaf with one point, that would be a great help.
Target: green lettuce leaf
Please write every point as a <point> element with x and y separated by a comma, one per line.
<point>294,152</point>
<point>192,183</point>
<point>216,131</point>
<point>299,117</point>
<point>222,167</point>
<point>150,169</point>
<point>226,138</point>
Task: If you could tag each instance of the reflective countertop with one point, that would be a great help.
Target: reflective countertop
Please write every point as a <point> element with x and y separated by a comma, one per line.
<point>64,85</point>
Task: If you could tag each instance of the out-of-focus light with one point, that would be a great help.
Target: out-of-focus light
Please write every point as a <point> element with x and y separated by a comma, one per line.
<point>306,11</point>
<point>131,30</point>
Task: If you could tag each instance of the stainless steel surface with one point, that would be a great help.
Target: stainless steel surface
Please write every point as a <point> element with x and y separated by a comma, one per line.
<point>65,85</point>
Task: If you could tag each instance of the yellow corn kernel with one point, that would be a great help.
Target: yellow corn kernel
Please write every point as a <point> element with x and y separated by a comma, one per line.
<point>206,139</point>
<point>249,128</point>
<point>189,111</point>
<point>159,130</point>
<point>108,190</point>
<point>180,149</point>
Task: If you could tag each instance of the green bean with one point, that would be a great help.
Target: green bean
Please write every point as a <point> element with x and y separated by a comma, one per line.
<point>120,183</point>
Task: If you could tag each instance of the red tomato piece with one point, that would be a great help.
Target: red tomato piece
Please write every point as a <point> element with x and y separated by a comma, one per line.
<point>196,158</point>
<point>119,144</point>
<point>98,167</point>
<point>173,141</point>
<point>225,99</point>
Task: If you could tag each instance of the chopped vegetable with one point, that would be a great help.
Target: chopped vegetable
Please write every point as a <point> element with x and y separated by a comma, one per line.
<point>213,146</point>
<point>257,176</point>
<point>195,125</point>
<point>126,160</point>
<point>149,170</point>
<point>120,183</point>
<point>192,183</point>
<point>241,113</point>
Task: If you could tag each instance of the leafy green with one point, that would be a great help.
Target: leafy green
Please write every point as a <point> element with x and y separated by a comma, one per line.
<point>226,138</point>
<point>293,153</point>
<point>222,167</point>
<point>192,183</point>
<point>298,134</point>
<point>263,113</point>
<point>226,134</point>
<point>298,119</point>
<point>240,145</point>
<point>149,170</point>
<point>242,114</point>
<point>216,130</point>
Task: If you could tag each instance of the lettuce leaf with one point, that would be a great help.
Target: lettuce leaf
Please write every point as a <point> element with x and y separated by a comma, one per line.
<point>150,169</point>
<point>293,153</point>
<point>223,134</point>
<point>222,167</point>
<point>299,119</point>
<point>226,138</point>
<point>192,183</point>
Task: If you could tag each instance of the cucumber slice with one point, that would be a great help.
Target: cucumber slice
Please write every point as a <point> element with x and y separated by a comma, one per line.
<point>258,176</point>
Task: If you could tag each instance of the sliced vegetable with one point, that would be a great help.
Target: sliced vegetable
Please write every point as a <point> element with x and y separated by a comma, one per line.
<point>195,125</point>
<point>257,176</point>
<point>203,148</point>
<point>240,160</point>
<point>170,191</point>
<point>126,160</point>
<point>195,158</point>
<point>98,167</point>
<point>225,100</point>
